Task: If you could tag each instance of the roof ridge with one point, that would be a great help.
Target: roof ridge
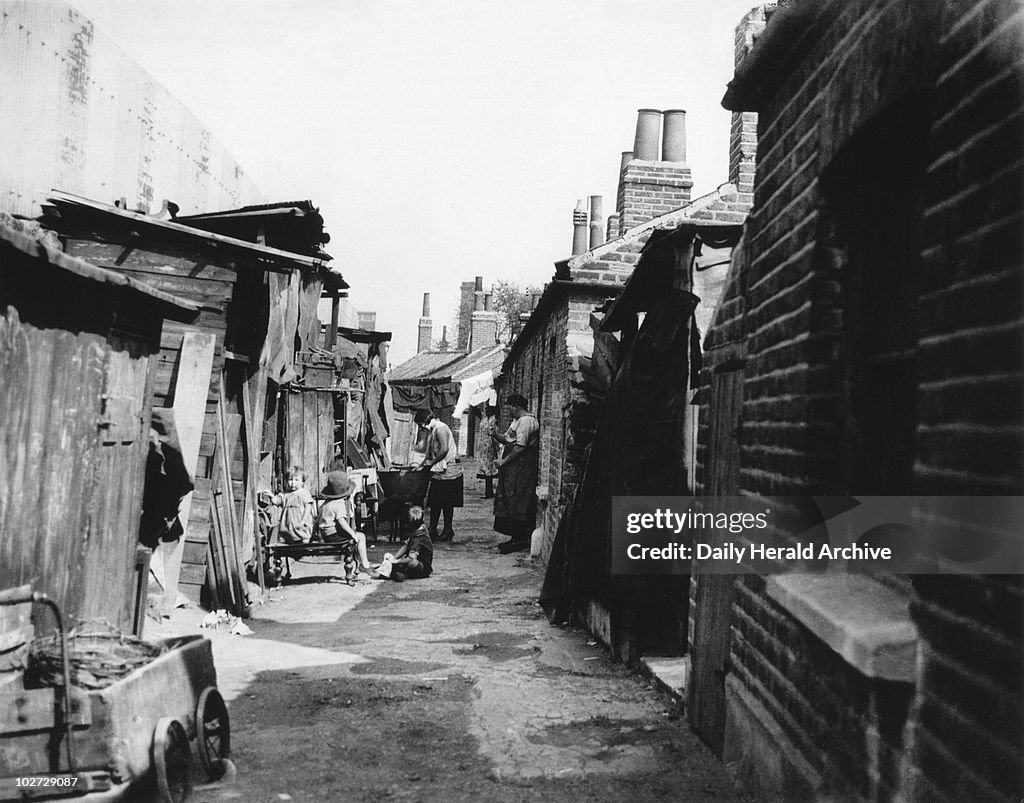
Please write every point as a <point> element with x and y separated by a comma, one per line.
<point>664,220</point>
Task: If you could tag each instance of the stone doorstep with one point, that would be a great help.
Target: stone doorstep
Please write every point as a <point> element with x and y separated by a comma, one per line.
<point>670,675</point>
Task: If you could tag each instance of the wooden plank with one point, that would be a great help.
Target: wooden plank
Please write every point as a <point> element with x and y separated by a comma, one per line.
<point>16,626</point>
<point>253,431</point>
<point>209,293</point>
<point>229,575</point>
<point>222,586</point>
<point>190,392</point>
<point>194,574</point>
<point>28,711</point>
<point>111,255</point>
<point>714,592</point>
<point>194,552</point>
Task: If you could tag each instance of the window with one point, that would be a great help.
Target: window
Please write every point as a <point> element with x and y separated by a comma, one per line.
<point>872,189</point>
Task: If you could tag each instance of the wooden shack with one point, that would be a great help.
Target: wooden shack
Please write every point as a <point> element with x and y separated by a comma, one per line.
<point>77,344</point>
<point>219,373</point>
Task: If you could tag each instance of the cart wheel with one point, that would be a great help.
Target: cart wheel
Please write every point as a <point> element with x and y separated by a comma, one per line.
<point>172,759</point>
<point>213,731</point>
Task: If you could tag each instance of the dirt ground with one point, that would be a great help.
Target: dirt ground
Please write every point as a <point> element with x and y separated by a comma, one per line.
<point>453,688</point>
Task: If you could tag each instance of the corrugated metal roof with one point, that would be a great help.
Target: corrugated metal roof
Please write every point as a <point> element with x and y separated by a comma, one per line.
<point>180,309</point>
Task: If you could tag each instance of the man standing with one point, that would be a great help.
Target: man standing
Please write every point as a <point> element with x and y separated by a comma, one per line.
<point>515,502</point>
<point>445,491</point>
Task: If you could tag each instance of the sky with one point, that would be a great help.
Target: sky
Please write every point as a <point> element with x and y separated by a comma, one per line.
<point>442,139</point>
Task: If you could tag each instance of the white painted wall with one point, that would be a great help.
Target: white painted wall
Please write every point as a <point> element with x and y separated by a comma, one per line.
<point>77,114</point>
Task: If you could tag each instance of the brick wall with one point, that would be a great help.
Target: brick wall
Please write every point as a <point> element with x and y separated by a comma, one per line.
<point>970,431</point>
<point>547,358</point>
<point>466,300</point>
<point>650,189</point>
<point>951,73</point>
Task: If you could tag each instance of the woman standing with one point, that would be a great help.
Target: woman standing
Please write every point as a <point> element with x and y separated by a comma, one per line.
<point>445,491</point>
<point>515,503</point>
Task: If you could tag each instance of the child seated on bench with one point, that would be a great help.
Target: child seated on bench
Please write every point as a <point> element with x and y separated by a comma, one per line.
<point>297,510</point>
<point>338,514</point>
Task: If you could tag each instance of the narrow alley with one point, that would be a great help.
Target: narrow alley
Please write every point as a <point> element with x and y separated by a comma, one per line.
<point>512,401</point>
<point>450,688</point>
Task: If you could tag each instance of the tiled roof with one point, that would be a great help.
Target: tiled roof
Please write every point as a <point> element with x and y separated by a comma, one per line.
<point>425,364</point>
<point>449,366</point>
<point>476,362</point>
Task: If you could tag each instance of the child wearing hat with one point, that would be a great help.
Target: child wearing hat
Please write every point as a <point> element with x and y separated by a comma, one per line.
<point>338,514</point>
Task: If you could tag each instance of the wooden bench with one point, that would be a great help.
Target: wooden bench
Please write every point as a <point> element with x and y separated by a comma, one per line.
<point>279,555</point>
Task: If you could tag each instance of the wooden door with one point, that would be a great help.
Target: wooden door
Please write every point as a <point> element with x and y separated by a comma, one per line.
<point>714,592</point>
<point>310,433</point>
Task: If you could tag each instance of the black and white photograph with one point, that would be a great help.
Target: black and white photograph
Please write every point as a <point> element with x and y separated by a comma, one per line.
<point>512,400</point>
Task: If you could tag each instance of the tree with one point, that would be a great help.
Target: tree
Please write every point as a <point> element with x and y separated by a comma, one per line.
<point>509,299</point>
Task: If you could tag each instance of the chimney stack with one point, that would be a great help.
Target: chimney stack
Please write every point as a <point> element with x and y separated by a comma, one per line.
<point>426,327</point>
<point>579,228</point>
<point>596,216</point>
<point>484,333</point>
<point>743,131</point>
<point>649,186</point>
<point>648,131</point>
<point>673,140</point>
<point>466,290</point>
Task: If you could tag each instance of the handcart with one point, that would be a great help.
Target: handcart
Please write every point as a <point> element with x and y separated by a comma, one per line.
<point>402,487</point>
<point>146,735</point>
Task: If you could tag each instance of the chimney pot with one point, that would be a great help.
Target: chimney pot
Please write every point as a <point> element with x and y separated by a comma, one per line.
<point>627,157</point>
<point>613,227</point>
<point>648,133</point>
<point>596,216</point>
<point>579,228</point>
<point>426,305</point>
<point>673,147</point>
<point>487,302</point>
<point>478,283</point>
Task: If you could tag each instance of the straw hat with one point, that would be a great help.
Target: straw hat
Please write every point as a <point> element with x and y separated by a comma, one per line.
<point>338,486</point>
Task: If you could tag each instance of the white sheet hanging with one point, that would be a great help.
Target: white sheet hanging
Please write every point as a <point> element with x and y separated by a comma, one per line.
<point>476,390</point>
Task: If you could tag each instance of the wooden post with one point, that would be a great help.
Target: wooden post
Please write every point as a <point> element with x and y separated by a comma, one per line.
<point>195,365</point>
<point>253,431</point>
<point>332,332</point>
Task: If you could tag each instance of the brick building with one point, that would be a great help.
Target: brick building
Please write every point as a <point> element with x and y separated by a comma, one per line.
<point>548,359</point>
<point>552,361</point>
<point>870,342</point>
<point>434,377</point>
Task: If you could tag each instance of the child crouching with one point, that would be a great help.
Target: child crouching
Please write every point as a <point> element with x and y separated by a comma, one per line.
<point>416,557</point>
